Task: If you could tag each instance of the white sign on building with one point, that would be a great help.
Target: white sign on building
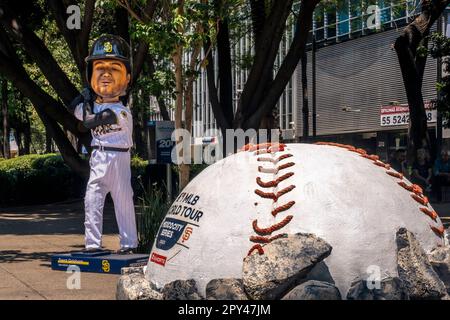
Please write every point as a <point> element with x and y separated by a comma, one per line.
<point>397,115</point>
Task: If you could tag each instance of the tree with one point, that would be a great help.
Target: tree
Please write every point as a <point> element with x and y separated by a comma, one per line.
<point>412,65</point>
<point>4,103</point>
<point>19,41</point>
<point>177,35</point>
<point>262,88</point>
<point>440,49</point>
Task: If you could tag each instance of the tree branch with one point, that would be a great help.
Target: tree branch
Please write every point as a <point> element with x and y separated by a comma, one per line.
<point>87,26</point>
<point>37,50</point>
<point>58,8</point>
<point>261,71</point>
<point>48,109</point>
<point>298,45</point>
<point>258,12</point>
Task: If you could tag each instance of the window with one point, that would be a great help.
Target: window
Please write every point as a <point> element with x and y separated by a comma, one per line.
<point>343,18</point>
<point>319,22</point>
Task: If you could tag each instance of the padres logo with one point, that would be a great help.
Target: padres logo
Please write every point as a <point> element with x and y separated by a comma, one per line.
<point>106,266</point>
<point>107,47</point>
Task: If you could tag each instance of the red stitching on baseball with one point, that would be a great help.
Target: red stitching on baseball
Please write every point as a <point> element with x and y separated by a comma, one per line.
<point>286,165</point>
<point>422,200</point>
<point>266,195</point>
<point>382,164</point>
<point>360,151</point>
<point>284,191</point>
<point>275,182</point>
<point>371,157</point>
<point>256,247</point>
<point>395,174</point>
<point>259,239</point>
<point>282,208</point>
<point>266,159</point>
<point>412,188</point>
<point>278,236</point>
<point>284,177</point>
<point>274,161</point>
<point>254,147</point>
<point>438,230</point>
<point>284,156</point>
<point>431,213</point>
<point>268,184</point>
<point>273,228</point>
<point>274,149</point>
<point>267,170</point>
<point>417,191</point>
<point>272,195</point>
<point>263,151</point>
<point>350,148</point>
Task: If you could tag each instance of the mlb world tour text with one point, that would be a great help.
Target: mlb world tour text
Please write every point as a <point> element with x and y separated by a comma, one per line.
<point>185,207</point>
<point>255,310</point>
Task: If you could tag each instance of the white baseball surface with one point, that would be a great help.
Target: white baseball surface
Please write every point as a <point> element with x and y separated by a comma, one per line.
<point>338,195</point>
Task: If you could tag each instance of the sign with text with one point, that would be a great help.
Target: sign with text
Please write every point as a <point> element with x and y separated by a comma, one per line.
<point>397,115</point>
<point>163,140</point>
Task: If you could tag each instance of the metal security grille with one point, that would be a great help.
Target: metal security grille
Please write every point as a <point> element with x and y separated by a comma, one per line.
<point>354,79</point>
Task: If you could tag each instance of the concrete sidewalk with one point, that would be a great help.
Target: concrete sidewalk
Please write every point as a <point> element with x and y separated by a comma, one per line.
<point>28,238</point>
<point>30,235</point>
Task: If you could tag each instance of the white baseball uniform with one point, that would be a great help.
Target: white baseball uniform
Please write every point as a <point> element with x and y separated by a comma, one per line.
<point>110,172</point>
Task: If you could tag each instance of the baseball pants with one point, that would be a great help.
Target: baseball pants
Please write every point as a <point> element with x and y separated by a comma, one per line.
<point>110,172</point>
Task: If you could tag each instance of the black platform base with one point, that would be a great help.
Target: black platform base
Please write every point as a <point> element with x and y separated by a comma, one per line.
<point>100,262</point>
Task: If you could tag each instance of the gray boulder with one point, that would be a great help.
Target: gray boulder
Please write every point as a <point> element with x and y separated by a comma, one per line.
<point>414,269</point>
<point>285,261</point>
<point>181,290</point>
<point>314,290</point>
<point>440,260</point>
<point>225,289</point>
<point>134,286</point>
<point>130,270</point>
<point>388,289</point>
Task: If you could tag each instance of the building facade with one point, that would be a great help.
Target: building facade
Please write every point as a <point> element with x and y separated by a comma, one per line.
<point>360,98</point>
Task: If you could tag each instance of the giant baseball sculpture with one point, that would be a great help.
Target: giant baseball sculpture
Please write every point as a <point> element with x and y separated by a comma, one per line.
<point>347,197</point>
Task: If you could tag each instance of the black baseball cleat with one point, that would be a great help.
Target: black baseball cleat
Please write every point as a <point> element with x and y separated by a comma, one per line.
<point>125,251</point>
<point>92,250</point>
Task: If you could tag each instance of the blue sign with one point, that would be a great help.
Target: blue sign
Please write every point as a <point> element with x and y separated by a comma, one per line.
<point>169,233</point>
<point>163,138</point>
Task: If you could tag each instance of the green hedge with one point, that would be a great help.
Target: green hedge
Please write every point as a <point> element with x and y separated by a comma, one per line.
<point>37,179</point>
<point>33,179</point>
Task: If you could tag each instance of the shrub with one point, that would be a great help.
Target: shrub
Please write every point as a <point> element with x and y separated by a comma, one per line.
<point>151,212</point>
<point>38,179</point>
<point>33,179</point>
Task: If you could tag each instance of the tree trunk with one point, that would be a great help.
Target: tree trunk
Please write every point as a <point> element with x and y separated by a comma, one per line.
<point>26,138</point>
<point>412,66</point>
<point>177,61</point>
<point>48,142</point>
<point>18,137</point>
<point>6,145</point>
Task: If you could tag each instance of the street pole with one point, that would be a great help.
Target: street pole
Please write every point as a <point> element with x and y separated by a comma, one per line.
<point>313,62</point>
<point>439,79</point>
<point>169,182</point>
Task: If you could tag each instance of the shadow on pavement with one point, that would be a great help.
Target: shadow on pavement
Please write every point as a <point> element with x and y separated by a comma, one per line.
<point>52,219</point>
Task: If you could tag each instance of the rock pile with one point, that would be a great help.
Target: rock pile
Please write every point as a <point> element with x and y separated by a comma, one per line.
<point>284,272</point>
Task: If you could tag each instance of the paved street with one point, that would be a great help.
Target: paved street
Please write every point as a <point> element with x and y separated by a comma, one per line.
<point>28,238</point>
